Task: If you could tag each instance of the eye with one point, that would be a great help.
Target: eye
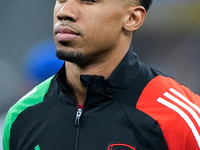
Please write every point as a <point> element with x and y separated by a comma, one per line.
<point>89,1</point>
<point>61,1</point>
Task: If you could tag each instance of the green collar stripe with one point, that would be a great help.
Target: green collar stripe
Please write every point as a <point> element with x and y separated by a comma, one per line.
<point>37,147</point>
<point>34,97</point>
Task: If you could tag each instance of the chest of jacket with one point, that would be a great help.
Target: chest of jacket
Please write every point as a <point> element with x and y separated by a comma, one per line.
<point>99,127</point>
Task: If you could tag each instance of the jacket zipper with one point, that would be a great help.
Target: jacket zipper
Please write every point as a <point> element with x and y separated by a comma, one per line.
<point>77,123</point>
<point>78,116</point>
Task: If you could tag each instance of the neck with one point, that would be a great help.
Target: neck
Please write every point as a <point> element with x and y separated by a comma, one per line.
<point>101,68</point>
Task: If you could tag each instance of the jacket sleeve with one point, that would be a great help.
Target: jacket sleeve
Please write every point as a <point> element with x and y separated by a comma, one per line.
<point>6,133</point>
<point>33,97</point>
<point>176,109</point>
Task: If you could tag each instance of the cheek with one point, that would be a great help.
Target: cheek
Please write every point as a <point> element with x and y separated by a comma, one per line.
<point>102,32</point>
<point>57,8</point>
<point>104,23</point>
<point>101,25</point>
<point>55,17</point>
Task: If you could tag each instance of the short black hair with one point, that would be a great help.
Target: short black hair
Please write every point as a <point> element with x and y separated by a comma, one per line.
<point>146,3</point>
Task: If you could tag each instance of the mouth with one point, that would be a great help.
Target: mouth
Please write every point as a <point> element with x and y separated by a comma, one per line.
<point>65,33</point>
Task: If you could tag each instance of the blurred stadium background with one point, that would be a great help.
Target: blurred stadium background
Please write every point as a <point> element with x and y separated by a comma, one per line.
<point>169,41</point>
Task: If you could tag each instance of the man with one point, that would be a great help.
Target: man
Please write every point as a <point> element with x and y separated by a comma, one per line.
<point>103,98</point>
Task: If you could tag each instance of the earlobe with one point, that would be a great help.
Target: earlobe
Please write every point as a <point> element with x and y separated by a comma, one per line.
<point>135,18</point>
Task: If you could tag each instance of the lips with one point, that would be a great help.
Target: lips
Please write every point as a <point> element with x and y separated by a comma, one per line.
<point>65,34</point>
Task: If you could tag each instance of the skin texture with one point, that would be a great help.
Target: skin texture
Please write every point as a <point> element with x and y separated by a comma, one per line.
<point>93,37</point>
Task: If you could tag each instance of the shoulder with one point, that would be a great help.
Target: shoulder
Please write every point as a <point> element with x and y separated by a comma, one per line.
<point>176,109</point>
<point>162,87</point>
<point>33,97</point>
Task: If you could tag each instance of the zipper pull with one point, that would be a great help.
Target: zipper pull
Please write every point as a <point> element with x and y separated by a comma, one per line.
<point>78,116</point>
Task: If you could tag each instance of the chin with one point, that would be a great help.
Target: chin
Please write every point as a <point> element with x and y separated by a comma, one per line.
<point>68,55</point>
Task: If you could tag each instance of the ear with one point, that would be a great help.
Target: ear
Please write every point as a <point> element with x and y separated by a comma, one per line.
<point>134,18</point>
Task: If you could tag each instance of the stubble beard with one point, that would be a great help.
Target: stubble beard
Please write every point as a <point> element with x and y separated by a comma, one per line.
<point>69,56</point>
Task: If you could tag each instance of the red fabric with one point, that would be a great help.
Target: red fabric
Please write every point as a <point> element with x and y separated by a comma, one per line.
<point>120,146</point>
<point>178,134</point>
<point>80,106</point>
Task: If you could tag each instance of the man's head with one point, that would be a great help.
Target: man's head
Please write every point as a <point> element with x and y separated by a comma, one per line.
<point>91,30</point>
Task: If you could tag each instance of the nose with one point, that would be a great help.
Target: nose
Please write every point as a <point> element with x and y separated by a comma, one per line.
<point>67,11</point>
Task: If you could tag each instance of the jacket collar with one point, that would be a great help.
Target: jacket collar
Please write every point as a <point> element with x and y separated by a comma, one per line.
<point>103,89</point>
<point>126,72</point>
<point>123,75</point>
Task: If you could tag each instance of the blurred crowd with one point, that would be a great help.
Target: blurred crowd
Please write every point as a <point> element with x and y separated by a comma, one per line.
<point>169,41</point>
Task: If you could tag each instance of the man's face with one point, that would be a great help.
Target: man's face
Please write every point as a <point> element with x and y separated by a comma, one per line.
<point>85,30</point>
